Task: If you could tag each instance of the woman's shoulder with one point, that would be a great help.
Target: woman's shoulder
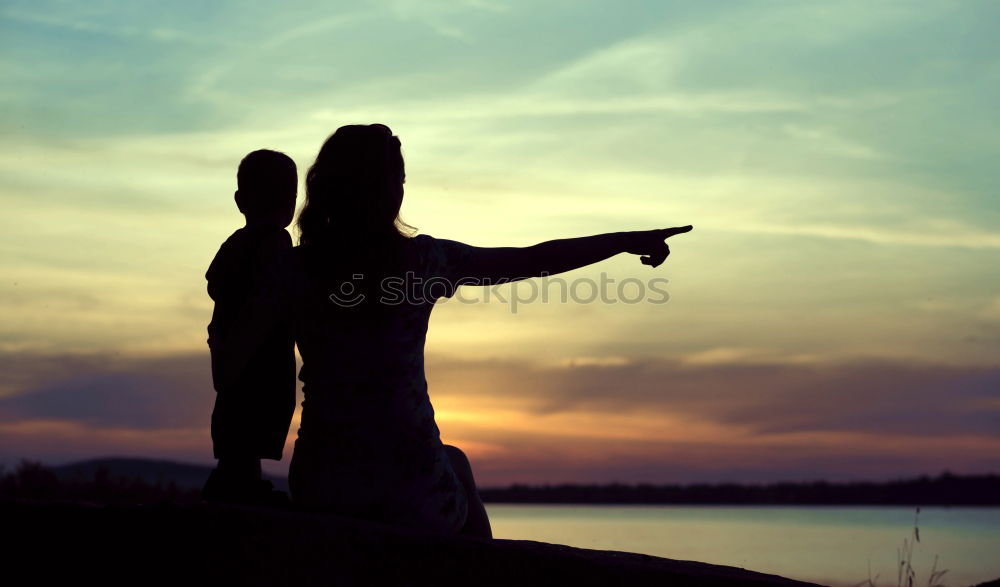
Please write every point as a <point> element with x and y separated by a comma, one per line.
<point>443,259</point>
<point>423,240</point>
<point>430,242</point>
<point>440,250</point>
<point>423,246</point>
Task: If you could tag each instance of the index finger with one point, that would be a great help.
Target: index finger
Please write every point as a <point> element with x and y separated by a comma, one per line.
<point>669,232</point>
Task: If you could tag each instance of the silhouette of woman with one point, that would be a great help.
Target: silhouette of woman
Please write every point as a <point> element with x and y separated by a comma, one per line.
<point>368,445</point>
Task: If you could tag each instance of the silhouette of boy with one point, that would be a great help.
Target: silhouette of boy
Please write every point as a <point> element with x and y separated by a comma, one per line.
<point>250,336</point>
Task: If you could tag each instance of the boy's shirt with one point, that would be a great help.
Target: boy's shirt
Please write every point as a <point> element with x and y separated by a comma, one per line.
<point>250,335</point>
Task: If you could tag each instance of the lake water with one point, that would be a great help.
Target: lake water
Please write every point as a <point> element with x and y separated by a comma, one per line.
<point>828,545</point>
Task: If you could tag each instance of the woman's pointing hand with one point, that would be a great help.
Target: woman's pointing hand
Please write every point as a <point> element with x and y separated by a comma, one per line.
<point>651,244</point>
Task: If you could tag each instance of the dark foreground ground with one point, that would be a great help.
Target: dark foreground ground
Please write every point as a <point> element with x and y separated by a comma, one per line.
<point>73,543</point>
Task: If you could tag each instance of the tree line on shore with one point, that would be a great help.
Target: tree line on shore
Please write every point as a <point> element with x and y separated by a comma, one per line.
<point>945,490</point>
<point>101,482</point>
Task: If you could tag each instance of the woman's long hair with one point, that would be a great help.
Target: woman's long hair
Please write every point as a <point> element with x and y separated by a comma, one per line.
<point>350,222</point>
<point>354,191</point>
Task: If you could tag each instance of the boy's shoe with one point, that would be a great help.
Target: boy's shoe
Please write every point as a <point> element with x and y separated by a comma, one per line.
<point>268,496</point>
<point>259,492</point>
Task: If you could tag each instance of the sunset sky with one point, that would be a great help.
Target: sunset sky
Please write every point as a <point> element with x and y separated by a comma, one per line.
<point>834,314</point>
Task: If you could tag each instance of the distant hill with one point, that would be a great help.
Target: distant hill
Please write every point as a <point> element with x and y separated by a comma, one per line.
<point>945,489</point>
<point>154,472</point>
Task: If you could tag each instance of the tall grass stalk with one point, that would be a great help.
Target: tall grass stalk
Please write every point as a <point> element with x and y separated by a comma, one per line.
<point>906,575</point>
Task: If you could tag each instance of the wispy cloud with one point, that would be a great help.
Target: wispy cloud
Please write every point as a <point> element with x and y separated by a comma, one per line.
<point>715,416</point>
<point>952,234</point>
<point>92,23</point>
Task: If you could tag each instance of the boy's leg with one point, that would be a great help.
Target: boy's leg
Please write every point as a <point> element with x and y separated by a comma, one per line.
<point>234,480</point>
<point>478,522</point>
<point>240,468</point>
<point>250,423</point>
<point>238,473</point>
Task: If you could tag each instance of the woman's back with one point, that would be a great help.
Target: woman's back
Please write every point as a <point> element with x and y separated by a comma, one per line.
<point>368,444</point>
<point>370,323</point>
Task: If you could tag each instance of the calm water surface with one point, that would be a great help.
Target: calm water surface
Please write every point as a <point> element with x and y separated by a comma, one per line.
<point>829,545</point>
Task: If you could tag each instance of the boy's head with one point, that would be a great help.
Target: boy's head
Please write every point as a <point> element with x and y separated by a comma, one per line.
<point>266,183</point>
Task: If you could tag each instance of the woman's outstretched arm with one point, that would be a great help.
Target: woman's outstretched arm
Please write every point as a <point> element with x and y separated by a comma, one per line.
<point>488,265</point>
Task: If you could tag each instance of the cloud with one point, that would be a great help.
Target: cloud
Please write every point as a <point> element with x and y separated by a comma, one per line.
<point>778,397</point>
<point>82,22</point>
<point>946,234</point>
<point>991,312</point>
<point>112,400</point>
<point>757,394</point>
<point>314,27</point>
<point>709,416</point>
<point>107,391</point>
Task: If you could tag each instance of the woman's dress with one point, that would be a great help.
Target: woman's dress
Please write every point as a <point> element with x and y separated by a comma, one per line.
<point>368,445</point>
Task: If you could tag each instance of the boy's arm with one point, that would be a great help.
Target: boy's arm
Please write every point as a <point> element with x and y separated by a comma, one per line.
<point>265,309</point>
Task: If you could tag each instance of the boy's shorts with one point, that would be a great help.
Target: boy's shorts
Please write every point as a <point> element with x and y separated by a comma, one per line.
<point>252,421</point>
